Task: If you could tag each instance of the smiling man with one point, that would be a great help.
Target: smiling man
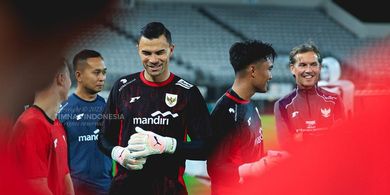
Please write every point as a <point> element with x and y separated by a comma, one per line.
<point>238,153</point>
<point>168,107</point>
<point>309,111</point>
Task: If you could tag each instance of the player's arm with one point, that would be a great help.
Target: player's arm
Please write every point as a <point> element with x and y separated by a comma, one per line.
<point>226,141</point>
<point>339,114</point>
<point>68,185</point>
<point>109,128</point>
<point>285,138</point>
<point>339,109</point>
<point>110,133</point>
<point>198,129</point>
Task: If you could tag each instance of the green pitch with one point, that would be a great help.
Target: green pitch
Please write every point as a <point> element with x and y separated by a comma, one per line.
<point>195,187</point>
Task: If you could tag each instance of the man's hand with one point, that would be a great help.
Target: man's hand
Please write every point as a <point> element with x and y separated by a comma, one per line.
<point>123,157</point>
<point>259,167</point>
<point>146,143</point>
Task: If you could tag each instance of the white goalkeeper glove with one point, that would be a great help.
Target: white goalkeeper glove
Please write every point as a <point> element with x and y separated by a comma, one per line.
<point>123,157</point>
<point>146,143</point>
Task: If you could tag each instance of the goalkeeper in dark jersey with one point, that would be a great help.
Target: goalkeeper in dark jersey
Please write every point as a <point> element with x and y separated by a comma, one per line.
<point>239,153</point>
<point>157,109</point>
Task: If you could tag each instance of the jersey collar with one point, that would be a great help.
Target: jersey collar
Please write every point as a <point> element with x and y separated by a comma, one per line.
<point>312,90</point>
<point>234,96</point>
<point>156,84</point>
<point>44,113</point>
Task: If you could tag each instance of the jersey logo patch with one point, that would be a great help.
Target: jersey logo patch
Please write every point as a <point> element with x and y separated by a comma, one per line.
<point>91,137</point>
<point>294,114</point>
<point>310,124</point>
<point>123,81</point>
<point>55,143</point>
<point>165,114</point>
<point>231,110</point>
<point>325,112</point>
<point>79,116</point>
<point>170,99</point>
<point>184,84</point>
<point>133,99</point>
<point>259,138</point>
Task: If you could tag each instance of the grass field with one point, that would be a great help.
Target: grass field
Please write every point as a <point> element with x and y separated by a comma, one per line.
<point>195,187</point>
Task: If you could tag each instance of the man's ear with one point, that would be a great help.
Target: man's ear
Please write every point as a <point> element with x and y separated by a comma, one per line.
<point>60,79</point>
<point>252,69</point>
<point>77,75</point>
<point>171,48</point>
<point>292,68</point>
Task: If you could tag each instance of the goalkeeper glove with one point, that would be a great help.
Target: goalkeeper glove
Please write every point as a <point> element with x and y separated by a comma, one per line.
<point>146,143</point>
<point>123,157</point>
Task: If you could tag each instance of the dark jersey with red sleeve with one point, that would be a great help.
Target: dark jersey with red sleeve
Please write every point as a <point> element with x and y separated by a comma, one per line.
<point>40,149</point>
<point>307,113</point>
<point>239,139</point>
<point>173,108</point>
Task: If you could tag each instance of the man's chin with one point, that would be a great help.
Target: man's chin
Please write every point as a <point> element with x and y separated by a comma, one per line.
<point>308,85</point>
<point>154,73</point>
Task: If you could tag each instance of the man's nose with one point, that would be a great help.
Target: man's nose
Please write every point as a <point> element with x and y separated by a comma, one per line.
<point>153,58</point>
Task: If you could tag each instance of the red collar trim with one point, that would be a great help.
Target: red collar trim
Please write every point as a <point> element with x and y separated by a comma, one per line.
<point>156,84</point>
<point>230,96</point>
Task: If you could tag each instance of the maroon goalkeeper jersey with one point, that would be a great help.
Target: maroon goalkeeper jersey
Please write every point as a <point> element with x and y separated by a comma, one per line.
<point>173,108</point>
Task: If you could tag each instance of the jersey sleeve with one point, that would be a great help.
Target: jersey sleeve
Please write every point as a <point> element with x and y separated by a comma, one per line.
<point>198,128</point>
<point>339,109</point>
<point>222,165</point>
<point>282,129</point>
<point>110,127</point>
<point>31,147</point>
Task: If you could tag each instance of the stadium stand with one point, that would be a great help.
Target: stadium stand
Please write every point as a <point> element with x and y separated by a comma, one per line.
<point>203,34</point>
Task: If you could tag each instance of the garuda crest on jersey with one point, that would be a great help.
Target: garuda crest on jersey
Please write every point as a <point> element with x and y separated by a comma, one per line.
<point>325,112</point>
<point>170,99</point>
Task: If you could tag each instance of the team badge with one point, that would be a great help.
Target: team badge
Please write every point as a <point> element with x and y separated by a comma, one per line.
<point>325,112</point>
<point>294,114</point>
<point>310,124</point>
<point>123,81</point>
<point>170,99</point>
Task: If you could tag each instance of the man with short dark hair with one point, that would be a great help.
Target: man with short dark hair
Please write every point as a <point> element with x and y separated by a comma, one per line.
<point>239,151</point>
<point>90,169</point>
<point>39,143</point>
<point>159,111</point>
<point>309,111</point>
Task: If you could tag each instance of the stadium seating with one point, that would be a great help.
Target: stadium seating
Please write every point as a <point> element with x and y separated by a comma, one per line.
<point>203,34</point>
